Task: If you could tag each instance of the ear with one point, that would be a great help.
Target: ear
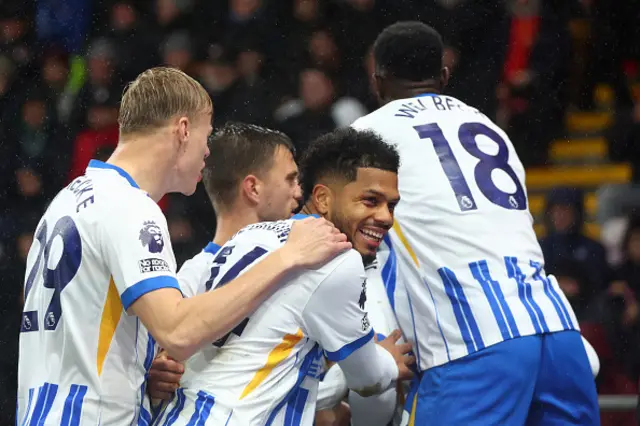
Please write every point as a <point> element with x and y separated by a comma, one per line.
<point>322,198</point>
<point>183,132</point>
<point>378,87</point>
<point>252,188</point>
<point>444,77</point>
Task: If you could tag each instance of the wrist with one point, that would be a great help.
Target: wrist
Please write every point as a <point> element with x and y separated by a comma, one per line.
<point>288,259</point>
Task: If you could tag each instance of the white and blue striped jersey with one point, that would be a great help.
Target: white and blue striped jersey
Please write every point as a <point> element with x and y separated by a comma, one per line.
<point>266,371</point>
<point>463,242</point>
<point>101,244</point>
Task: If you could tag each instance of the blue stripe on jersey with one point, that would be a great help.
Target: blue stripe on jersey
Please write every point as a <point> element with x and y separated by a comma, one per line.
<point>73,406</point>
<point>241,264</point>
<point>305,366</point>
<point>46,396</point>
<point>145,416</point>
<point>556,300</point>
<point>464,317</point>
<point>349,348</point>
<point>416,344</point>
<point>435,308</point>
<point>389,273</point>
<point>295,408</point>
<point>526,296</point>
<point>175,411</point>
<point>228,418</point>
<point>145,286</point>
<point>301,216</point>
<point>204,403</point>
<point>495,297</point>
<point>26,413</point>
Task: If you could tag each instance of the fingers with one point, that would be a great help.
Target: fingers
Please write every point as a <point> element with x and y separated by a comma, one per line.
<point>404,348</point>
<point>165,376</point>
<point>157,394</point>
<point>409,359</point>
<point>162,363</point>
<point>394,336</point>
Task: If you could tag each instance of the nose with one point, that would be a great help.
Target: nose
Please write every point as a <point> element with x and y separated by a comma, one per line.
<point>384,216</point>
<point>297,193</point>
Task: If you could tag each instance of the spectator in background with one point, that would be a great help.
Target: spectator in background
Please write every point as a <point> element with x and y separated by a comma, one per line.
<point>133,38</point>
<point>15,41</point>
<point>565,240</point>
<point>576,287</point>
<point>103,81</point>
<point>177,51</point>
<point>54,73</point>
<point>321,112</point>
<point>101,131</point>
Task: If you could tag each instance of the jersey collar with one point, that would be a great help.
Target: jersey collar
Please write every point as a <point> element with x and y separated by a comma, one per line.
<point>212,248</point>
<point>97,164</point>
<point>423,95</point>
<point>301,216</point>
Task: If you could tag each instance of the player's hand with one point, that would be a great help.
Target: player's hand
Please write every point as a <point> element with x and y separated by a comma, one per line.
<point>312,242</point>
<point>399,352</point>
<point>340,415</point>
<point>164,377</point>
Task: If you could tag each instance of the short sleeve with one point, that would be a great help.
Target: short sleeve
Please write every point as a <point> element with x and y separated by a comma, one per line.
<point>335,315</point>
<point>190,277</point>
<point>135,242</point>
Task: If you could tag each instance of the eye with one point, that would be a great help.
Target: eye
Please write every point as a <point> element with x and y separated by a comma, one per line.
<point>370,201</point>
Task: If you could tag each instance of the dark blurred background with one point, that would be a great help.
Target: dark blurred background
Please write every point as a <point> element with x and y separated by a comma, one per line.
<point>560,76</point>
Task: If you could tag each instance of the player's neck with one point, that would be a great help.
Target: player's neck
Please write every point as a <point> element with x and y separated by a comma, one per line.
<point>147,163</point>
<point>229,223</point>
<point>309,210</point>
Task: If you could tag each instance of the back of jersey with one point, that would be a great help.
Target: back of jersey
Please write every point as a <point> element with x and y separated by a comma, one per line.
<point>463,236</point>
<point>266,370</point>
<point>82,358</point>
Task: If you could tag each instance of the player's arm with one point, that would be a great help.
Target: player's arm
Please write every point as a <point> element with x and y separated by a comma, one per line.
<point>332,389</point>
<point>334,317</point>
<point>181,326</point>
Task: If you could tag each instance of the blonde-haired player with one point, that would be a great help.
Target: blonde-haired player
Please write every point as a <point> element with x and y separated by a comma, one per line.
<point>100,285</point>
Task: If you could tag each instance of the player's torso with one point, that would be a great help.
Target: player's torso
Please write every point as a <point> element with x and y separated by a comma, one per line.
<point>82,359</point>
<point>463,241</point>
<point>266,370</point>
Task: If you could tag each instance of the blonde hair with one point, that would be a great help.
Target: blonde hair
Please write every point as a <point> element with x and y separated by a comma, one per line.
<point>158,94</point>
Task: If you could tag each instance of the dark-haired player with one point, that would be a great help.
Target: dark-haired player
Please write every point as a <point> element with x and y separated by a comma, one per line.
<point>496,341</point>
<point>266,371</point>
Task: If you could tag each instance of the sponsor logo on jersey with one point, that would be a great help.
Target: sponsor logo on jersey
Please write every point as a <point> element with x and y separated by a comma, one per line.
<point>152,265</point>
<point>151,237</point>
<point>363,294</point>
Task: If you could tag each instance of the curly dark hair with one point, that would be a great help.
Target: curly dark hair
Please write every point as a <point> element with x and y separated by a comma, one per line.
<point>341,153</point>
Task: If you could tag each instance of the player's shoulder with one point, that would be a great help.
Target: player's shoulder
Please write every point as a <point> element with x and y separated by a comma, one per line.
<point>375,119</point>
<point>272,234</point>
<point>343,268</point>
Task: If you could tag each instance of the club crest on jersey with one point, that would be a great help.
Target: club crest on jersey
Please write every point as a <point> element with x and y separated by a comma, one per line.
<point>151,237</point>
<point>363,294</point>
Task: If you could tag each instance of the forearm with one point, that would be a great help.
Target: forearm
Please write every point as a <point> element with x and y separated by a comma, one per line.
<point>376,410</point>
<point>205,318</point>
<point>332,389</point>
<point>369,370</point>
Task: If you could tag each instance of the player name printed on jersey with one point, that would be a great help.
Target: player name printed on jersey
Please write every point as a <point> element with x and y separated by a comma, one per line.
<point>266,370</point>
<point>463,244</point>
<point>101,244</point>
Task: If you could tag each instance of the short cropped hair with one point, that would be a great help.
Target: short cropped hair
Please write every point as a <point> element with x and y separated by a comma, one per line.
<point>238,150</point>
<point>157,95</point>
<point>341,153</point>
<point>410,51</point>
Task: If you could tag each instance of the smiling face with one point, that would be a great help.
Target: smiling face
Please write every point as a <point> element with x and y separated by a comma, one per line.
<point>363,209</point>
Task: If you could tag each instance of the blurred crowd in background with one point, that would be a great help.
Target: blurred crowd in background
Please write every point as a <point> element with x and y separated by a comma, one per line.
<point>304,67</point>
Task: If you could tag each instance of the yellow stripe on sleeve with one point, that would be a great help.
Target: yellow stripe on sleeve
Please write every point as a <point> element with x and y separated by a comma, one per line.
<point>111,314</point>
<point>276,356</point>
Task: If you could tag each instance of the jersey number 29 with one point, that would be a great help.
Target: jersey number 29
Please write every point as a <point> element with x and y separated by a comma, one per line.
<point>488,163</point>
<point>56,278</point>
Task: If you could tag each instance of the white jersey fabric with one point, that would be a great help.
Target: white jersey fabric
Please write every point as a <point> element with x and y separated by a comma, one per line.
<point>463,242</point>
<point>101,244</point>
<point>266,371</point>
